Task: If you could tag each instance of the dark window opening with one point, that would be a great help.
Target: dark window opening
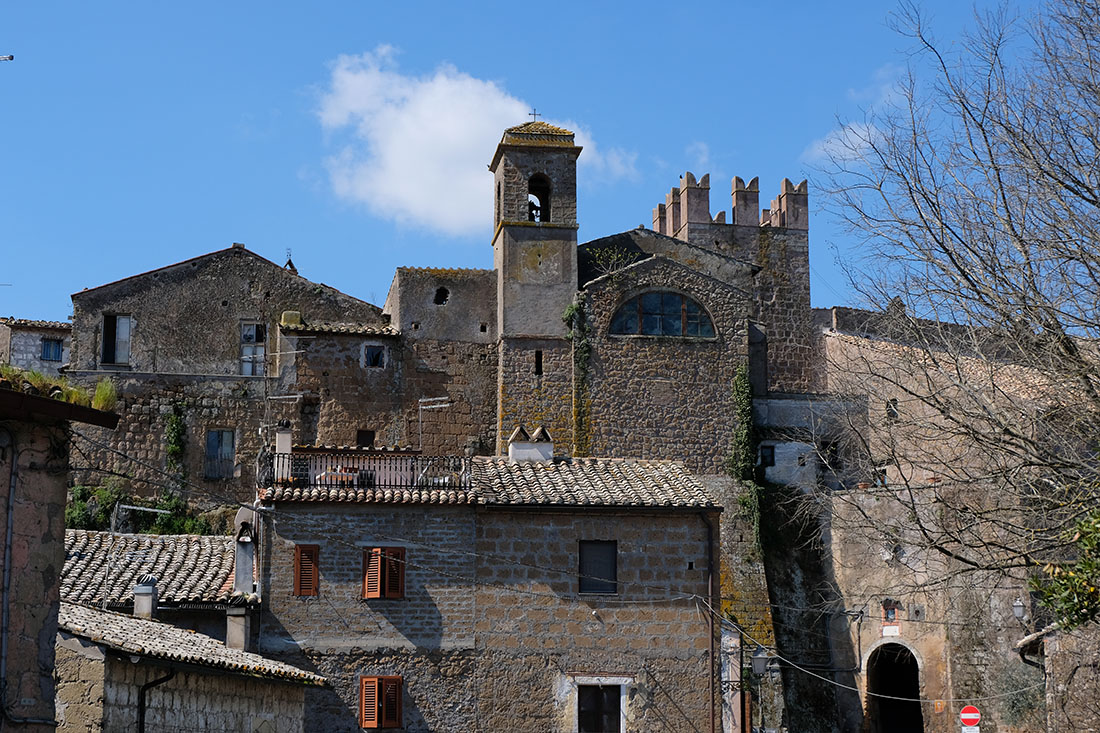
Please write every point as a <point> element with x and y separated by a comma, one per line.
<point>662,314</point>
<point>767,456</point>
<point>599,566</point>
<point>364,438</point>
<point>538,362</point>
<point>484,327</point>
<point>51,349</point>
<point>538,198</point>
<point>374,356</point>
<point>441,296</point>
<point>598,708</point>
<point>116,339</point>
<point>892,409</point>
<point>220,460</point>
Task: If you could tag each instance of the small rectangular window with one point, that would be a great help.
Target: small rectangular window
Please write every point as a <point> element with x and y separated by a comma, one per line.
<point>380,702</point>
<point>598,566</point>
<point>364,438</point>
<point>767,456</point>
<point>538,362</point>
<point>220,460</point>
<point>307,573</point>
<point>384,572</point>
<point>598,708</point>
<point>116,339</point>
<point>51,349</point>
<point>374,356</point>
<point>253,349</point>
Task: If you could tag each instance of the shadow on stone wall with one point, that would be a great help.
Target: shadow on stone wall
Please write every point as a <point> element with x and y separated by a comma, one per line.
<point>810,631</point>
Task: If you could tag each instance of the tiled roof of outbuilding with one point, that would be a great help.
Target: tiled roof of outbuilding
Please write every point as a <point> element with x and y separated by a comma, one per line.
<point>588,482</point>
<point>359,329</point>
<point>27,323</point>
<point>426,495</point>
<point>157,640</point>
<point>190,569</point>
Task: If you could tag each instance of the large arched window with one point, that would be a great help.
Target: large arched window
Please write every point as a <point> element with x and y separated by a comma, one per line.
<point>662,314</point>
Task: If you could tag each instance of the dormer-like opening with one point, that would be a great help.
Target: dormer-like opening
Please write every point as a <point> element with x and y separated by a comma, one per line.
<point>538,198</point>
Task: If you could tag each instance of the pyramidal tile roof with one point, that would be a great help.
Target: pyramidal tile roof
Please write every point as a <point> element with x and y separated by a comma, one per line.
<point>139,636</point>
<point>189,568</point>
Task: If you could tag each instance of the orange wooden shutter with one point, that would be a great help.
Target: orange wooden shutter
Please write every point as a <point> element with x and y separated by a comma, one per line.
<point>395,572</point>
<point>372,572</point>
<point>368,702</point>
<point>306,576</point>
<point>391,702</point>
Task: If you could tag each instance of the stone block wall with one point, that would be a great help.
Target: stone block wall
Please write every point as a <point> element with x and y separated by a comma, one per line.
<point>80,678</point>
<point>515,170</point>
<point>38,455</point>
<point>665,397</point>
<point>530,399</point>
<point>22,347</point>
<point>545,635</point>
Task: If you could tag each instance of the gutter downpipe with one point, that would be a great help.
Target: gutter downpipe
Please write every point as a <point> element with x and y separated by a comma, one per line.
<point>141,696</point>
<point>13,475</point>
<point>710,615</point>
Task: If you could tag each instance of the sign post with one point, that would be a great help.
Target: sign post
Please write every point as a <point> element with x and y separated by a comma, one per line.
<point>970,716</point>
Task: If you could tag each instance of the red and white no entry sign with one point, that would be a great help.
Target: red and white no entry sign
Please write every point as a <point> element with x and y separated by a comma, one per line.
<point>970,715</point>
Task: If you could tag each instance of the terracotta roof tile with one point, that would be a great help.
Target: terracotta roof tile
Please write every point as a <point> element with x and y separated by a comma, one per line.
<point>28,323</point>
<point>588,482</point>
<point>189,568</point>
<point>157,640</point>
<point>425,495</point>
<point>362,329</point>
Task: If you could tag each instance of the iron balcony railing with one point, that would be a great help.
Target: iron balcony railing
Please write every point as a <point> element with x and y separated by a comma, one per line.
<point>364,470</point>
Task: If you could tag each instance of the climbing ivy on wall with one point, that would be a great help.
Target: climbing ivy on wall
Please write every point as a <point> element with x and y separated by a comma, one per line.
<point>741,462</point>
<point>175,442</point>
<point>576,320</point>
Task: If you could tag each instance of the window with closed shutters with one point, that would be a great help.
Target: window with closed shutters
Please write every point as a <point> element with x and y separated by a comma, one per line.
<point>307,578</point>
<point>598,566</point>
<point>384,572</point>
<point>380,702</point>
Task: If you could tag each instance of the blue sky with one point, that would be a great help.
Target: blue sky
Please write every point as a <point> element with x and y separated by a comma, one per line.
<point>357,134</point>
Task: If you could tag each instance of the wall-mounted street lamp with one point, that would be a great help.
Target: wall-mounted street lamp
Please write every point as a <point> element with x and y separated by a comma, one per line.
<point>1018,609</point>
<point>760,661</point>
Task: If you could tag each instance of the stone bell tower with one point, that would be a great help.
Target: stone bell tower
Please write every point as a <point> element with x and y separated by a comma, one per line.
<point>535,258</point>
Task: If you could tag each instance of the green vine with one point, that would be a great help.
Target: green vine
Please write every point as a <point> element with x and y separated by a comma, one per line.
<point>576,320</point>
<point>741,462</point>
<point>175,442</point>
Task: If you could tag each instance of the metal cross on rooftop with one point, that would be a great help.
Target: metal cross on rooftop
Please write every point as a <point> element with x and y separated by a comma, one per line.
<point>534,114</point>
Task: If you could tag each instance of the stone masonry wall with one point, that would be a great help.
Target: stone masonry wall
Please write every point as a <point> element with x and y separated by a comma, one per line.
<point>22,348</point>
<point>79,673</point>
<point>515,170</point>
<point>665,397</point>
<point>530,399</point>
<point>199,702</point>
<point>38,454</point>
<point>545,634</point>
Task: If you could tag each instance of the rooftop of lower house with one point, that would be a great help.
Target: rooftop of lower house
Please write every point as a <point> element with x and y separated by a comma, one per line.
<point>27,323</point>
<point>192,571</point>
<point>159,641</point>
<point>387,477</point>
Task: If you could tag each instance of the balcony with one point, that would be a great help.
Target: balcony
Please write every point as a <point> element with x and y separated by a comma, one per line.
<point>362,469</point>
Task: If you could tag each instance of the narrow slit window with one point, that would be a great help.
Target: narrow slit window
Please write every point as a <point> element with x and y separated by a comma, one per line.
<point>538,362</point>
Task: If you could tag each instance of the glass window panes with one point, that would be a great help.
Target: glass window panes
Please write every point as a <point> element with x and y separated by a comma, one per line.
<point>662,314</point>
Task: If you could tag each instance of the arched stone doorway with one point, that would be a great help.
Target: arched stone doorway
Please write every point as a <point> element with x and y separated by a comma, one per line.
<point>892,670</point>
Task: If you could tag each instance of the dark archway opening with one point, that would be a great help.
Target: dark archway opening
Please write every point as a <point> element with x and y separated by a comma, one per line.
<point>538,198</point>
<point>892,671</point>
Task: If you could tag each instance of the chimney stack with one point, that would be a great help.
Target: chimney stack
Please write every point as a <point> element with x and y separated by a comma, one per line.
<point>145,597</point>
<point>524,447</point>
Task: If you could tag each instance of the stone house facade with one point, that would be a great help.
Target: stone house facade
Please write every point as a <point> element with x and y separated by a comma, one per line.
<point>541,594</point>
<point>117,672</point>
<point>41,346</point>
<point>33,463</point>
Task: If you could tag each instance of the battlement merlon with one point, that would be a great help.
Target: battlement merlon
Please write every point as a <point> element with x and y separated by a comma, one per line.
<point>672,212</point>
<point>746,202</point>
<point>694,199</point>
<point>790,209</point>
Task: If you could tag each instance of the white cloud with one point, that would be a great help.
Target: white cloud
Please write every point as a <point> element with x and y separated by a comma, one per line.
<point>414,149</point>
<point>699,154</point>
<point>848,141</point>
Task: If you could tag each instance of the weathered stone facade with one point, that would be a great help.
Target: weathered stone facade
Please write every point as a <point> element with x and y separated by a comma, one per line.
<point>41,346</point>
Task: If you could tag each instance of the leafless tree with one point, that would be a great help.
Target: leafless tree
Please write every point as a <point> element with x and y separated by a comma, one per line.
<point>975,194</point>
